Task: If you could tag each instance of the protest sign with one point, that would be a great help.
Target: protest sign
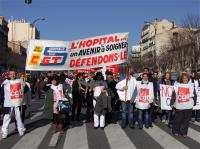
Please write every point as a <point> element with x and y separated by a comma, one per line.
<point>98,51</point>
<point>165,96</point>
<point>46,55</point>
<point>105,50</point>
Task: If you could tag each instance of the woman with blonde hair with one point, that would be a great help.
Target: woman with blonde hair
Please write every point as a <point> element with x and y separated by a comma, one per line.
<point>183,99</point>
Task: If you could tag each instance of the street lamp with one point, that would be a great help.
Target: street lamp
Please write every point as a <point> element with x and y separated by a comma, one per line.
<point>32,24</point>
<point>155,30</point>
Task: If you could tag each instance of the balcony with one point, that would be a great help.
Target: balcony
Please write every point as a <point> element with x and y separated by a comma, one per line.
<point>151,44</point>
<point>144,40</point>
<point>144,34</point>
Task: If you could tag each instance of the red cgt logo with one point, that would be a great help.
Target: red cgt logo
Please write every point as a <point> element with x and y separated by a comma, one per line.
<point>183,94</point>
<point>15,91</point>
<point>144,95</point>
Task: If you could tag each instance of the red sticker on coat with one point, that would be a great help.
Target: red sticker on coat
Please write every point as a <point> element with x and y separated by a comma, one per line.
<point>144,95</point>
<point>183,94</point>
<point>15,91</point>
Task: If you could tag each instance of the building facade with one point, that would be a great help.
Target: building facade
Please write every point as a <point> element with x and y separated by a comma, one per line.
<point>20,32</point>
<point>151,35</point>
<point>3,43</point>
<point>136,52</point>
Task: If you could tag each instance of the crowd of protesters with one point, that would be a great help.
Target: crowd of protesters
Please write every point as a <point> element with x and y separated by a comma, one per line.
<point>102,98</point>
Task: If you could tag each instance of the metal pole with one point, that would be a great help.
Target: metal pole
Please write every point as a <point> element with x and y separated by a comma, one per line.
<point>32,24</point>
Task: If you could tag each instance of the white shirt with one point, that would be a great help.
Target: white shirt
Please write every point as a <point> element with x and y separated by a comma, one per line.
<point>131,88</point>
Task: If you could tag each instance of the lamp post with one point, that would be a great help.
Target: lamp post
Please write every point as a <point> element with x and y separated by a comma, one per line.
<point>154,52</point>
<point>32,24</point>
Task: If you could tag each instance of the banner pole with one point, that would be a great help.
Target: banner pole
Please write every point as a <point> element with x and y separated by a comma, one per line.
<point>23,92</point>
<point>127,77</point>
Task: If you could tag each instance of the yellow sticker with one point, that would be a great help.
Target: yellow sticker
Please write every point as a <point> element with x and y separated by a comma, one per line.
<point>38,49</point>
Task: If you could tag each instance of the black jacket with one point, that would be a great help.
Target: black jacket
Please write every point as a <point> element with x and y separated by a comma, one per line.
<point>112,91</point>
<point>1,95</point>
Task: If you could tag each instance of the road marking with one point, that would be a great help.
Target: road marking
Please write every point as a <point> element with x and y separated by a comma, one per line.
<point>117,138</point>
<point>195,135</point>
<point>164,139</point>
<point>76,138</point>
<point>33,139</point>
<point>36,115</point>
<point>54,140</point>
<point>11,129</point>
<point>196,123</point>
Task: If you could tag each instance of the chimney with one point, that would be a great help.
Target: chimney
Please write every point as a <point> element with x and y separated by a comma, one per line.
<point>173,24</point>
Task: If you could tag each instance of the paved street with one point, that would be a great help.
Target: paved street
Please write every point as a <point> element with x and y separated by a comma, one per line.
<point>83,136</point>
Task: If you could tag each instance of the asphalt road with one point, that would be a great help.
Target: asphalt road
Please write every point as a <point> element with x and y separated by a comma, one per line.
<point>82,135</point>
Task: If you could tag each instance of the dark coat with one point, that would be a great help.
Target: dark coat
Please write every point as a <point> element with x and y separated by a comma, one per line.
<point>1,95</point>
<point>48,105</point>
<point>113,91</point>
<point>103,104</point>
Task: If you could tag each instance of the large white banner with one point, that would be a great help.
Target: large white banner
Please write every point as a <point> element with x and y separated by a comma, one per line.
<point>46,55</point>
<point>197,106</point>
<point>98,51</point>
<point>92,52</point>
<point>166,96</point>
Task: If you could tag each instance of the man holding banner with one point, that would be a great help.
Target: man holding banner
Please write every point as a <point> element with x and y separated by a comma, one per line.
<point>13,95</point>
<point>125,89</point>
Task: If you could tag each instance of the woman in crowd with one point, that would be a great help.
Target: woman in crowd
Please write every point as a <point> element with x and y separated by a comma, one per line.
<point>27,95</point>
<point>54,93</point>
<point>183,99</point>
<point>99,86</point>
<point>143,100</point>
<point>89,99</point>
<point>77,96</point>
<point>194,79</point>
<point>166,115</point>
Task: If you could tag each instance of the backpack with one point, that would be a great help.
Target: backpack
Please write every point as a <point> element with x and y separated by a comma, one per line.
<point>64,106</point>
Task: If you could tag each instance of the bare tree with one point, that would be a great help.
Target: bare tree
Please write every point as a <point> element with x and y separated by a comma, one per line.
<point>191,21</point>
<point>165,59</point>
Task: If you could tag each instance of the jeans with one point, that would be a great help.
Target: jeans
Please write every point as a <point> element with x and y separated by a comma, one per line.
<point>141,121</point>
<point>127,111</point>
<point>167,115</point>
